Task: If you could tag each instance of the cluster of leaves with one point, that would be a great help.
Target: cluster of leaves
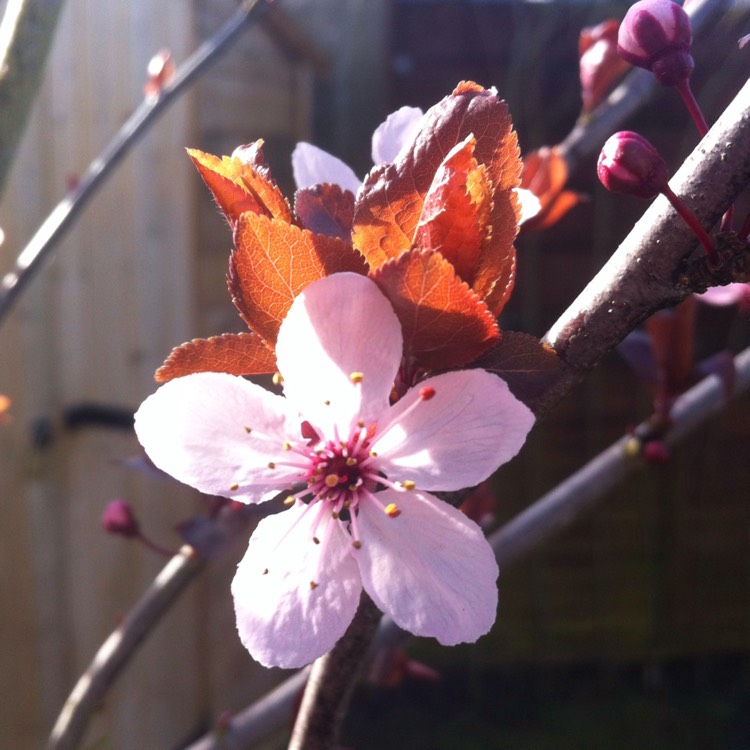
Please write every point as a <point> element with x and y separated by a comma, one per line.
<point>435,229</point>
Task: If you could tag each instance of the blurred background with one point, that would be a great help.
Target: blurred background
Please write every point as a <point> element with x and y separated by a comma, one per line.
<point>632,629</point>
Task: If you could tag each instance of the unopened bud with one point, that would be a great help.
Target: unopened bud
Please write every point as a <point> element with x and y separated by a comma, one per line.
<point>629,164</point>
<point>656,35</point>
<point>118,518</point>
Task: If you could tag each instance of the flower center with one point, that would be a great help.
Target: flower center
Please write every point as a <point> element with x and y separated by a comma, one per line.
<point>339,471</point>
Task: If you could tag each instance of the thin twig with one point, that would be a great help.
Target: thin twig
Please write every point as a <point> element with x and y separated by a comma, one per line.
<point>26,33</point>
<point>117,650</point>
<point>61,219</point>
<point>512,543</point>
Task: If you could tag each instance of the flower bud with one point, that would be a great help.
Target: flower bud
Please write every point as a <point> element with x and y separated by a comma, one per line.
<point>656,35</point>
<point>629,164</point>
<point>118,518</point>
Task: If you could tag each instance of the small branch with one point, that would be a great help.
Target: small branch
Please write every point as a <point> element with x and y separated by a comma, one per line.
<point>332,681</point>
<point>643,275</point>
<point>26,33</point>
<point>514,542</point>
<point>145,115</point>
<point>117,650</point>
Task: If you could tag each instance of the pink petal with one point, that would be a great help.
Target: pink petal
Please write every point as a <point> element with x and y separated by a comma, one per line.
<point>339,326</point>
<point>731,294</point>
<point>430,568</point>
<point>193,428</point>
<point>399,130</point>
<point>530,205</point>
<point>471,425</point>
<point>281,619</point>
<point>313,166</point>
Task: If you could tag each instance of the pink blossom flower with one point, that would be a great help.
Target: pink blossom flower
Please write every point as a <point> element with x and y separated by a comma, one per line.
<point>359,470</point>
<point>313,166</point>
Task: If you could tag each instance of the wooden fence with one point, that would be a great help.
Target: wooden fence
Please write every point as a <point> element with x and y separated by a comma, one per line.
<point>129,282</point>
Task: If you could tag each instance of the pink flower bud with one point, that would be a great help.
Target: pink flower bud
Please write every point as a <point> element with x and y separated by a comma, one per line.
<point>655,452</point>
<point>629,164</point>
<point>118,518</point>
<point>656,35</point>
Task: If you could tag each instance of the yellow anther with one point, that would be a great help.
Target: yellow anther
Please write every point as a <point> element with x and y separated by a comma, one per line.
<point>408,484</point>
<point>356,377</point>
<point>277,378</point>
<point>331,480</point>
<point>392,511</point>
<point>357,544</point>
<point>352,488</point>
<point>234,487</point>
<point>289,500</point>
<point>287,445</point>
<point>373,454</point>
<point>351,461</point>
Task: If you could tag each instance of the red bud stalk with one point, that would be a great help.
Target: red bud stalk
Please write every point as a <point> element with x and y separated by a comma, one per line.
<point>629,164</point>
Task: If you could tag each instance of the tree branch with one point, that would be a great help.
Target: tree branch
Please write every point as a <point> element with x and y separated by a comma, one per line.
<point>117,650</point>
<point>643,275</point>
<point>145,115</point>
<point>26,34</point>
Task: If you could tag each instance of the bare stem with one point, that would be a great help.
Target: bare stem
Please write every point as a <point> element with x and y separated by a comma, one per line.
<point>26,33</point>
<point>688,98</point>
<point>61,219</point>
<point>331,683</point>
<point>689,218</point>
<point>117,650</point>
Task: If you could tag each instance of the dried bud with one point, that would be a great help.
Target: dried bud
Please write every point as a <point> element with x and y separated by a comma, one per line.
<point>629,164</point>
<point>118,518</point>
<point>656,35</point>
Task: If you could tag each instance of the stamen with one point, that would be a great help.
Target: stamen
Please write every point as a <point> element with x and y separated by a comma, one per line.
<point>327,402</point>
<point>392,510</point>
<point>357,544</point>
<point>356,377</point>
<point>291,499</point>
<point>351,461</point>
<point>316,540</point>
<point>271,465</point>
<point>360,424</point>
<point>234,487</point>
<point>278,378</point>
<point>265,572</point>
<point>248,430</point>
<point>332,480</point>
<point>408,484</point>
<point>287,445</point>
<point>313,585</point>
